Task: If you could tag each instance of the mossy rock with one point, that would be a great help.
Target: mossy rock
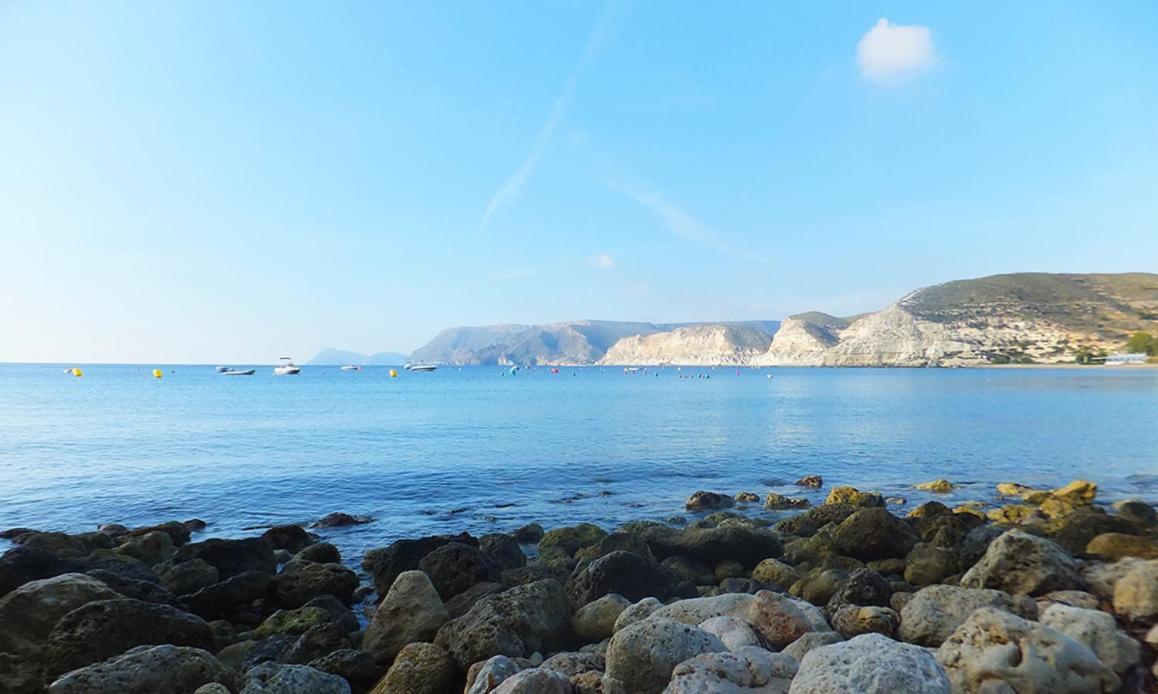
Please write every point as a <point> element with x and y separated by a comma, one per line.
<point>854,497</point>
<point>941,486</point>
<point>572,538</point>
<point>292,621</point>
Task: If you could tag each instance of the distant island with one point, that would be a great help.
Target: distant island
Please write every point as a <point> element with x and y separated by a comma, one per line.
<point>340,357</point>
<point>1022,318</point>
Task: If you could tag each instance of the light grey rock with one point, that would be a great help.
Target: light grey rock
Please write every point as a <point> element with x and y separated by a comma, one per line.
<point>535,681</point>
<point>276,678</point>
<point>749,669</point>
<point>146,670</point>
<point>1136,594</point>
<point>411,611</point>
<point>574,663</point>
<point>869,664</point>
<point>1098,631</point>
<point>483,677</point>
<point>641,657</point>
<point>813,639</point>
<point>733,631</point>
<point>595,621</point>
<point>935,612</point>
<point>1018,562</point>
<point>1102,577</point>
<point>997,651</point>
<point>637,612</point>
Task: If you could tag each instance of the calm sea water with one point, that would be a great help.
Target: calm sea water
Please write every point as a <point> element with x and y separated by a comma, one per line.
<point>473,449</point>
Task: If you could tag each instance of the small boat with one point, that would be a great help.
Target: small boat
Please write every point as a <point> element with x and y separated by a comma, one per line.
<point>351,367</point>
<point>222,369</point>
<point>287,367</point>
<point>420,367</point>
<point>238,372</point>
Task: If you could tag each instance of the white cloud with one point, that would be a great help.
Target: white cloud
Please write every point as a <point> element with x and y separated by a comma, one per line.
<point>604,261</point>
<point>891,53</point>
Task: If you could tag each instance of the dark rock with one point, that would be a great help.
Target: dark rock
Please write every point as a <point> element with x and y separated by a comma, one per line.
<point>149,669</point>
<point>749,546</point>
<point>864,588</point>
<point>339,613</point>
<point>220,599</point>
<point>20,565</point>
<point>271,649</point>
<point>316,642</point>
<point>633,576</point>
<point>292,538</point>
<point>615,542</point>
<point>300,581</point>
<point>460,604</point>
<point>178,532</point>
<point>696,573</point>
<point>873,533</point>
<point>812,481</point>
<point>189,576</point>
<point>927,564</point>
<point>339,520</point>
<point>105,628</point>
<point>1075,530</point>
<point>708,501</point>
<point>740,585</point>
<point>231,557</point>
<point>806,524</point>
<point>356,667</point>
<point>503,551</point>
<point>131,588</point>
<point>64,545</point>
<point>1137,512</point>
<point>571,539</point>
<point>13,533</point>
<point>975,543</point>
<point>514,623</point>
<point>20,674</point>
<point>454,567</point>
<point>819,588</point>
<point>532,573</point>
<point>529,534</point>
<point>385,563</point>
<point>320,552</point>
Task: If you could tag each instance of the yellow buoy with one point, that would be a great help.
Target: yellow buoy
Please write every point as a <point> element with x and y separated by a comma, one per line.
<point>393,373</point>
<point>157,373</point>
<point>77,372</point>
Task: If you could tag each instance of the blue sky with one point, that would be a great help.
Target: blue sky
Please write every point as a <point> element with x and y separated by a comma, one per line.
<point>235,181</point>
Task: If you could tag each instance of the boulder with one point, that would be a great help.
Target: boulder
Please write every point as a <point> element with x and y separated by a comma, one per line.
<point>708,501</point>
<point>776,573</point>
<point>733,632</point>
<point>28,614</point>
<point>932,614</point>
<point>873,533</point>
<point>420,668</point>
<point>819,588</point>
<point>637,612</point>
<point>1098,631</point>
<point>341,520</point>
<point>690,570</point>
<point>863,588</point>
<point>515,623</point>
<point>316,642</point>
<point>747,497</point>
<point>869,664</point>
<point>1070,598</point>
<point>851,496</point>
<point>1018,562</point>
<point>461,603</point>
<point>385,563</point>
<point>411,611</point>
<point>571,539</point>
<point>574,663</point>
<point>64,545</point>
<point>529,534</point>
<point>807,523</point>
<point>1114,546</point>
<point>927,564</point>
<point>278,678</point>
<point>231,557</point>
<point>780,620</point>
<point>940,486</point>
<point>133,588</point>
<point>975,544</point>
<point>616,541</point>
<point>1074,531</point>
<point>1137,512</point>
<point>484,676</point>
<point>997,651</point>
<point>20,565</point>
<point>750,668</point>
<point>99,630</point>
<point>851,620</point>
<point>747,545</point>
<point>454,567</point>
<point>189,576</point>
<point>356,667</point>
<point>300,581</point>
<point>779,502</point>
<point>811,481</point>
<point>20,674</point>
<point>1102,577</point>
<point>1136,593</point>
<point>321,553</point>
<point>595,621</point>
<point>813,639</point>
<point>220,599</point>
<point>502,551</point>
<point>641,657</point>
<point>151,548</point>
<point>535,681</point>
<point>631,575</point>
<point>146,670</point>
<point>291,621</point>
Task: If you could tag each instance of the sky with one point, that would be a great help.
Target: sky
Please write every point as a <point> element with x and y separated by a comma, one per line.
<point>231,182</point>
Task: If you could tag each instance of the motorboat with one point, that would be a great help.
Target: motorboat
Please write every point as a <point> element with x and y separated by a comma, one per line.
<point>222,369</point>
<point>239,372</point>
<point>420,367</point>
<point>287,367</point>
<point>351,367</point>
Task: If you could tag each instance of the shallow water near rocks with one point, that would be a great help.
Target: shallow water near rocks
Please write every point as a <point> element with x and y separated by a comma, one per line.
<point>481,450</point>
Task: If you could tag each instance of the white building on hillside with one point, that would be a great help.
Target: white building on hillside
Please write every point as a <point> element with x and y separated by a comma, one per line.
<point>1118,359</point>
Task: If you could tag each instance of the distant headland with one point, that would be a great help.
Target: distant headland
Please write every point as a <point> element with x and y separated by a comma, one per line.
<point>1022,318</point>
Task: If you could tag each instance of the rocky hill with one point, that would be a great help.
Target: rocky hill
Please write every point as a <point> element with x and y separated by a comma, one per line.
<point>698,345</point>
<point>1024,317</point>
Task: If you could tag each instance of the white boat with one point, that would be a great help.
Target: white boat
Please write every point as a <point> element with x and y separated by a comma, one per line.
<point>239,372</point>
<point>351,367</point>
<point>222,369</point>
<point>420,367</point>
<point>287,367</point>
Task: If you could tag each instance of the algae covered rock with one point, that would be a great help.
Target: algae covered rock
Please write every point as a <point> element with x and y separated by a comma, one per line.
<point>28,614</point>
<point>941,486</point>
<point>420,668</point>
<point>873,533</point>
<point>708,501</point>
<point>852,496</point>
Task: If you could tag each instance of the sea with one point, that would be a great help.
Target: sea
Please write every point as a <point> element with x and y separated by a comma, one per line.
<point>483,449</point>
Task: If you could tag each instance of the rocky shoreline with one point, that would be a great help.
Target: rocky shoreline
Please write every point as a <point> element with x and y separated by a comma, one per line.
<point>1042,590</point>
